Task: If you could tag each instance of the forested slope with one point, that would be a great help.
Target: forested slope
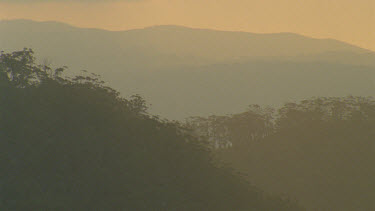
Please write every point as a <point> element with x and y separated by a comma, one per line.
<point>75,144</point>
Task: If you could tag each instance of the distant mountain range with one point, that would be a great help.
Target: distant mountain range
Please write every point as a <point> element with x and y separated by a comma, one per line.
<point>183,71</point>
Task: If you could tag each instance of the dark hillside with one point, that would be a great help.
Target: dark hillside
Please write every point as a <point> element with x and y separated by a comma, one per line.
<point>74,144</point>
<point>320,151</point>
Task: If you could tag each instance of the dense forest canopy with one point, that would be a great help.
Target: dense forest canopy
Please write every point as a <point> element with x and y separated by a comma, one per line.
<point>319,151</point>
<point>75,144</point>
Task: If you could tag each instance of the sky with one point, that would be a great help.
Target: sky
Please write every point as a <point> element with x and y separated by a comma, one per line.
<point>352,21</point>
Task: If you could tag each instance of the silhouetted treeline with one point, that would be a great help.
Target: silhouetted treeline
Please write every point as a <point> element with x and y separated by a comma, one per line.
<point>320,152</point>
<point>75,144</point>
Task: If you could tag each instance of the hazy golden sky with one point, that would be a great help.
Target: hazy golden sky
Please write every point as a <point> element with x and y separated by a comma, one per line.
<point>352,21</point>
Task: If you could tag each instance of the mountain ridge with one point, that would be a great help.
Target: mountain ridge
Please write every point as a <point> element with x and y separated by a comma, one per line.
<point>222,71</point>
<point>176,27</point>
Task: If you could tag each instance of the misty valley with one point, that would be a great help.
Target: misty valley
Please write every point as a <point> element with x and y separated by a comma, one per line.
<point>176,118</point>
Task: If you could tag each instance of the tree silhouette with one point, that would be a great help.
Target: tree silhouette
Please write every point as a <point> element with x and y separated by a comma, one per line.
<point>75,144</point>
<point>319,151</point>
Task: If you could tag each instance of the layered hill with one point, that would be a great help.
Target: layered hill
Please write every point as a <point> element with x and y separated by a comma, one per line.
<point>184,71</point>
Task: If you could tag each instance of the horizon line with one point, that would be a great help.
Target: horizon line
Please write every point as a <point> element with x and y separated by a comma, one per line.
<point>186,27</point>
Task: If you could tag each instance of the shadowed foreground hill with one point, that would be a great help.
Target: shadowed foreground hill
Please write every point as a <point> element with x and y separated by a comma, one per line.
<point>74,144</point>
<point>319,151</point>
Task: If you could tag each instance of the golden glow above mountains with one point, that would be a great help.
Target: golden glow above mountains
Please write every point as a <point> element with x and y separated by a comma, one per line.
<point>346,20</point>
